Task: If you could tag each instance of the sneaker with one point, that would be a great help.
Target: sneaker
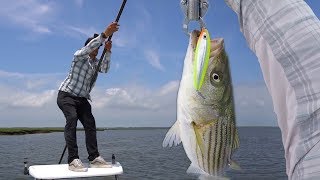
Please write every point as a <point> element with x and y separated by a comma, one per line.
<point>99,162</point>
<point>77,166</point>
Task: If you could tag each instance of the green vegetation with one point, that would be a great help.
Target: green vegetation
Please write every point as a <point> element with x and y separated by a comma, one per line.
<point>31,130</point>
<point>134,128</point>
<point>28,130</point>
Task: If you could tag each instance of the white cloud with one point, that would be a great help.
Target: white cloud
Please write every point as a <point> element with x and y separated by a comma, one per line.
<point>170,87</point>
<point>87,31</point>
<point>254,105</point>
<point>31,81</point>
<point>41,17</point>
<point>130,98</point>
<point>5,74</point>
<point>13,98</point>
<point>144,19</point>
<point>23,99</point>
<point>131,105</point>
<point>33,84</point>
<point>117,66</point>
<point>132,33</point>
<point>122,38</point>
<point>30,14</point>
<point>138,36</point>
<point>153,59</point>
<point>136,105</point>
<point>27,104</point>
<point>125,37</point>
<point>27,90</point>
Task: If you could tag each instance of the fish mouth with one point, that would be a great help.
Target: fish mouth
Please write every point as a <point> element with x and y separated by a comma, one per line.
<point>194,38</point>
<point>217,46</point>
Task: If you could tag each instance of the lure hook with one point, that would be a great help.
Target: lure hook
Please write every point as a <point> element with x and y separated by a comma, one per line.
<point>194,10</point>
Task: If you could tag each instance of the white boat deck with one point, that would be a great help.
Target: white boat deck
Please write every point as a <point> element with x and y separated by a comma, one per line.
<point>59,171</point>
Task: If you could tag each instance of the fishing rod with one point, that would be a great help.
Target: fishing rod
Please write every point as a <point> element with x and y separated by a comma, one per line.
<point>99,63</point>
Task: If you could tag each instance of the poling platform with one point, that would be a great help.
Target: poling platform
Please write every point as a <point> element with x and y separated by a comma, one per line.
<point>59,171</point>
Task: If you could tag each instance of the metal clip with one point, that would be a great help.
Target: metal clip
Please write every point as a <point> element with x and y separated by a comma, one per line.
<point>194,10</point>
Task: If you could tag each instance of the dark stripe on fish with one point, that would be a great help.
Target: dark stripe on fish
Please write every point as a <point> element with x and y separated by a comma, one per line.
<point>215,150</point>
<point>218,148</point>
<point>220,155</point>
<point>209,151</point>
<point>225,145</point>
<point>204,148</point>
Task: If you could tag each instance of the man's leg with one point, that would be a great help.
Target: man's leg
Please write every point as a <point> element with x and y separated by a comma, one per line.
<point>88,122</point>
<point>68,106</point>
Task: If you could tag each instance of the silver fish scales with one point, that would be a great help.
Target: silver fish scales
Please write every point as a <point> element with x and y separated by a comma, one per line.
<point>206,123</point>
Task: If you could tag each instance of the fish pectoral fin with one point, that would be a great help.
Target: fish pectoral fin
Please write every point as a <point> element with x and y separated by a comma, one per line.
<point>198,132</point>
<point>199,129</point>
<point>234,165</point>
<point>172,136</point>
<point>195,169</point>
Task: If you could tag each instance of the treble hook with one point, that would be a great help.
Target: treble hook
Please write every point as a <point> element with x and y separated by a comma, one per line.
<point>194,10</point>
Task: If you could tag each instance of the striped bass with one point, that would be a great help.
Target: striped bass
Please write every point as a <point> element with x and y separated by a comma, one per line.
<point>205,123</point>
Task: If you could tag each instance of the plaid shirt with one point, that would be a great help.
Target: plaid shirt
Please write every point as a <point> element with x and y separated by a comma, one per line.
<point>82,70</point>
<point>285,36</point>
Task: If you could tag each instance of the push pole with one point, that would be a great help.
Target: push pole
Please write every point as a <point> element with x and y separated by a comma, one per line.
<point>95,76</point>
<point>64,150</point>
<point>99,63</point>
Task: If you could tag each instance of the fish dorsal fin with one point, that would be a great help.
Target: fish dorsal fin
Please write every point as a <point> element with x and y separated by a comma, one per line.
<point>172,136</point>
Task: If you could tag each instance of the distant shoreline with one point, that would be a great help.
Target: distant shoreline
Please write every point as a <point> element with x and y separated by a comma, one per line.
<point>39,130</point>
<point>27,130</point>
<point>33,130</point>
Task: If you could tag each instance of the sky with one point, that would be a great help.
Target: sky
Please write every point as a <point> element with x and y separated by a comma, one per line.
<point>39,37</point>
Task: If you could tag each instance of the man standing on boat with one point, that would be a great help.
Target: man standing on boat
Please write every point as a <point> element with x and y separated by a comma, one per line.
<point>73,96</point>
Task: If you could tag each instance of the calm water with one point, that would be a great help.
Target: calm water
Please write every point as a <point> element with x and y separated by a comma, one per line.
<point>260,155</point>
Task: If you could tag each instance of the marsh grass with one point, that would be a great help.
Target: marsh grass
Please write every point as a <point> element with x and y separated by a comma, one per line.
<point>31,130</point>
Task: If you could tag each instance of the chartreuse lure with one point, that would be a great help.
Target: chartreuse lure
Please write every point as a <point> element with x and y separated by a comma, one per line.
<point>201,58</point>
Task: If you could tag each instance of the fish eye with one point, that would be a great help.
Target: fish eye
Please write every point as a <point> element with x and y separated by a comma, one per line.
<point>216,77</point>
